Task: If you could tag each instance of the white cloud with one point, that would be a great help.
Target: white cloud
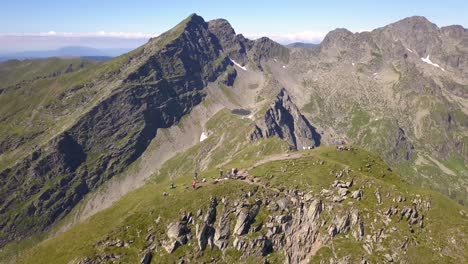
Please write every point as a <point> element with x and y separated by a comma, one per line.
<point>285,38</point>
<point>127,35</point>
<point>10,43</point>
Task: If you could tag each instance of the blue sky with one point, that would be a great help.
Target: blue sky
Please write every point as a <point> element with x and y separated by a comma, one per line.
<point>284,21</point>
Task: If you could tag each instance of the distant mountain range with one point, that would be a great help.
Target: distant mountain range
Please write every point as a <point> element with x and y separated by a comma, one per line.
<point>93,53</point>
<point>69,51</point>
<point>302,45</point>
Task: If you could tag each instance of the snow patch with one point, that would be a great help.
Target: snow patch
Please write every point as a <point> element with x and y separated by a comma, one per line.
<point>352,63</point>
<point>238,65</point>
<point>284,67</point>
<point>428,61</point>
<point>275,60</point>
<point>203,136</point>
<point>409,50</point>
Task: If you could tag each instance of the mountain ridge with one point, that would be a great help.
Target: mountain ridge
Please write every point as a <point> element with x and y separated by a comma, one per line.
<point>353,88</point>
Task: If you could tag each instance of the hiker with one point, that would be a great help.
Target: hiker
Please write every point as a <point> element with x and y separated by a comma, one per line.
<point>235,172</point>
<point>195,176</point>
<point>228,174</point>
<point>172,185</point>
<point>220,173</point>
<point>194,184</point>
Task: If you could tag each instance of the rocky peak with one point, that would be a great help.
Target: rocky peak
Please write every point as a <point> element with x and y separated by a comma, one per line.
<point>194,19</point>
<point>222,29</point>
<point>284,120</point>
<point>336,37</point>
<point>187,46</point>
<point>456,31</point>
<point>416,33</point>
<point>338,34</point>
<point>235,46</point>
<point>264,49</point>
<point>415,23</point>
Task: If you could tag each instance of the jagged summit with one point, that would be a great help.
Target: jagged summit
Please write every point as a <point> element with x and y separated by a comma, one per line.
<point>414,23</point>
<point>339,36</point>
<point>284,120</point>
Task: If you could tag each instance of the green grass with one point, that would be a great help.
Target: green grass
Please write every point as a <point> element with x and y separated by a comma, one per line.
<point>15,71</point>
<point>137,211</point>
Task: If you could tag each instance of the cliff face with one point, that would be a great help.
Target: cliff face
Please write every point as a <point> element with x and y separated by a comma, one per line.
<point>168,83</point>
<point>284,120</point>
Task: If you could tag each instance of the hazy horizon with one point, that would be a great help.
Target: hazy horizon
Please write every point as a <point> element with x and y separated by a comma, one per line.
<point>47,25</point>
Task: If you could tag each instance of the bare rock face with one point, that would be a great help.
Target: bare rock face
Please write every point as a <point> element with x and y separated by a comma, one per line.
<point>357,194</point>
<point>235,46</point>
<point>205,235</point>
<point>178,231</point>
<point>222,231</point>
<point>259,246</point>
<point>245,218</point>
<point>264,49</point>
<point>284,120</point>
<point>315,209</point>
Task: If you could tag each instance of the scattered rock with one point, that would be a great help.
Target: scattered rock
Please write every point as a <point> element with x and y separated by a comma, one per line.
<point>222,232</point>
<point>342,192</point>
<point>315,209</point>
<point>205,236</point>
<point>170,246</point>
<point>199,213</point>
<point>338,199</point>
<point>357,194</point>
<point>177,231</point>
<point>245,218</point>
<point>332,230</point>
<point>388,257</point>
<point>146,259</point>
<point>378,196</point>
<point>283,203</point>
<point>343,223</point>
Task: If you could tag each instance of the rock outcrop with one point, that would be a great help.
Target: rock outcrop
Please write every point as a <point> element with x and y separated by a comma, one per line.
<point>284,120</point>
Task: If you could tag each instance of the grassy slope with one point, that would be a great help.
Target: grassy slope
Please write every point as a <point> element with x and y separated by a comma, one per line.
<point>37,109</point>
<point>15,71</point>
<point>137,211</point>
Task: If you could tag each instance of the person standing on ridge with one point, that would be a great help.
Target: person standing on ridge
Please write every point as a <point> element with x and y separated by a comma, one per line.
<point>194,184</point>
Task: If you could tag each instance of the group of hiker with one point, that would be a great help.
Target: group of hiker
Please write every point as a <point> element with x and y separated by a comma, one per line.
<point>232,173</point>
<point>229,174</point>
